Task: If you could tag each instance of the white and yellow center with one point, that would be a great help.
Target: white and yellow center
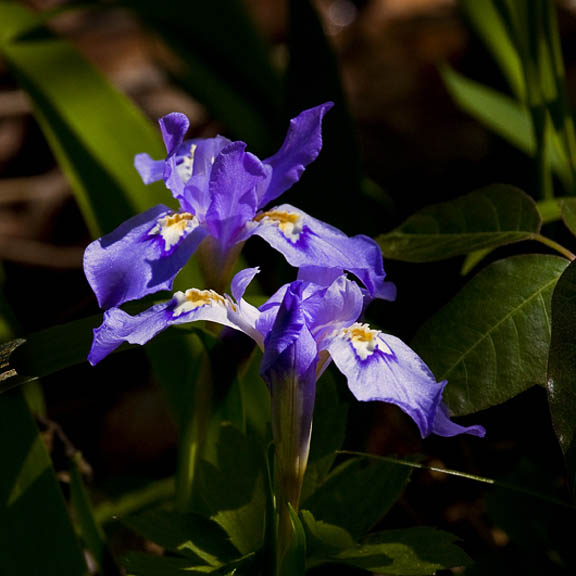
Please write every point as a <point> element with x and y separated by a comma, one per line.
<point>193,299</point>
<point>289,223</point>
<point>186,167</point>
<point>365,340</point>
<point>174,227</point>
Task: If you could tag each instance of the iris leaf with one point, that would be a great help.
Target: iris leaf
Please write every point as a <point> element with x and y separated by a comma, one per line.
<point>483,219</point>
<point>491,340</point>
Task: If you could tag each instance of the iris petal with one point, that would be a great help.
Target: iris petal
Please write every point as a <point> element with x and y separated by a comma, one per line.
<point>130,262</point>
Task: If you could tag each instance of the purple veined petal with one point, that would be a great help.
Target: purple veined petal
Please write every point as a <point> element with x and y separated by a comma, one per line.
<point>301,146</point>
<point>307,242</point>
<point>142,256</point>
<point>332,308</point>
<point>242,315</point>
<point>184,307</point>
<point>150,170</point>
<point>443,426</point>
<point>233,181</point>
<point>173,128</point>
<point>381,367</point>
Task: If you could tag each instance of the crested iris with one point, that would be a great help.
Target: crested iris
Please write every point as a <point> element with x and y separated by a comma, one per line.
<point>223,192</point>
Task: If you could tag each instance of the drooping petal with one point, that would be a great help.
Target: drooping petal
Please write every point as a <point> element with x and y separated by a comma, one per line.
<point>305,241</point>
<point>443,426</point>
<point>233,181</point>
<point>150,170</point>
<point>142,256</point>
<point>184,307</point>
<point>381,367</point>
<point>301,146</point>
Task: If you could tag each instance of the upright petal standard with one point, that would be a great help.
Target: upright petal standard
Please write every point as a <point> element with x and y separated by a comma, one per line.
<point>222,191</point>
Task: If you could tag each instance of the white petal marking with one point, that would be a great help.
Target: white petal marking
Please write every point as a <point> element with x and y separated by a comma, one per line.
<point>173,227</point>
<point>365,341</point>
<point>289,223</point>
<point>193,299</point>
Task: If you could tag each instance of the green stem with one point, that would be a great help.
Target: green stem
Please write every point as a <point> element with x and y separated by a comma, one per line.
<point>555,246</point>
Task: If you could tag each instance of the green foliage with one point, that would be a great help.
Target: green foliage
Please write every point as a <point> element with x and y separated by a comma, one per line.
<point>561,383</point>
<point>293,560</point>
<point>481,220</point>
<point>28,485</point>
<point>357,494</point>
<point>491,340</point>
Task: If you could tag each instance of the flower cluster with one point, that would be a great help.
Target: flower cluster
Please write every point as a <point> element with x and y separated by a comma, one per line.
<point>223,193</point>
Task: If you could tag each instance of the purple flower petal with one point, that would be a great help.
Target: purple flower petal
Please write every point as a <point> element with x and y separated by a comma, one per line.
<point>189,306</point>
<point>443,426</point>
<point>134,260</point>
<point>150,170</point>
<point>173,127</point>
<point>381,367</point>
<point>305,241</point>
<point>233,181</point>
<point>301,146</point>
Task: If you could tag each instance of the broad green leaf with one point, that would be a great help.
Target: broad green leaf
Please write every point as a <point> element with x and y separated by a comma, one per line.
<point>504,117</point>
<point>223,62</point>
<point>232,492</point>
<point>357,494</point>
<point>561,383</point>
<point>489,25</point>
<point>568,207</point>
<point>36,535</point>
<point>190,535</point>
<point>483,219</point>
<point>410,552</point>
<point>491,340</point>
<point>92,128</point>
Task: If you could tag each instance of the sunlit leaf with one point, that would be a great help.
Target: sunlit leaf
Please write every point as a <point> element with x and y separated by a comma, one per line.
<point>483,219</point>
<point>491,340</point>
<point>568,207</point>
<point>561,383</point>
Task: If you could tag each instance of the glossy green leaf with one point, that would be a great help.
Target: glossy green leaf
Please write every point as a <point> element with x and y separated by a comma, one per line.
<point>357,494</point>
<point>491,340</point>
<point>483,219</point>
<point>409,552</point>
<point>561,384</point>
<point>36,535</point>
<point>504,117</point>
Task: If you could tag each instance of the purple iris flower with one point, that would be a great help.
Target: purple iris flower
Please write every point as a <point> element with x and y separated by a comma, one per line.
<point>300,329</point>
<point>222,191</point>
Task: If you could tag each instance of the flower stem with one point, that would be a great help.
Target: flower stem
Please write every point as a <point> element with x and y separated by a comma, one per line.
<point>555,246</point>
